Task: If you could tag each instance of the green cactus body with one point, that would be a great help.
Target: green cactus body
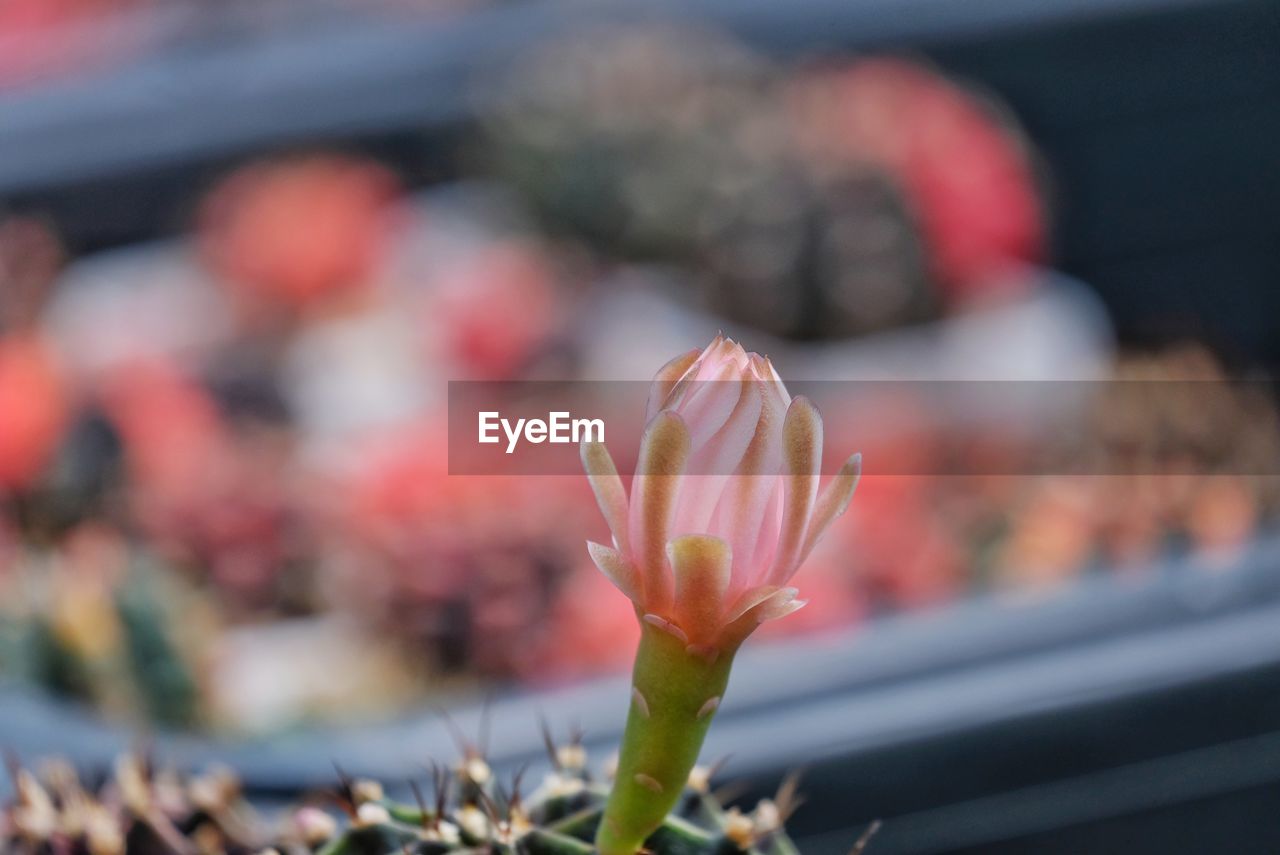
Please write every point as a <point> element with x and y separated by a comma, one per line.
<point>675,695</point>
<point>208,811</point>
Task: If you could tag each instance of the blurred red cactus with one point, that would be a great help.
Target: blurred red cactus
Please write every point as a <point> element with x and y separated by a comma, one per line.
<point>494,309</point>
<point>169,424</point>
<point>33,409</point>
<point>208,498</point>
<point>970,180</point>
<point>464,566</point>
<point>300,229</point>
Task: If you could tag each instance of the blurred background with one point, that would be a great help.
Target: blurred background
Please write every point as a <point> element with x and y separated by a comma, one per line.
<point>244,246</point>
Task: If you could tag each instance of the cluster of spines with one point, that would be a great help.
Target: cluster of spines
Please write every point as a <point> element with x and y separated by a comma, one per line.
<point>142,811</point>
<point>138,811</point>
<point>559,817</point>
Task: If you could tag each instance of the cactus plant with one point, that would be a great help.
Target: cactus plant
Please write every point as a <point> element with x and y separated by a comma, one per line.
<point>723,509</point>
<point>142,811</point>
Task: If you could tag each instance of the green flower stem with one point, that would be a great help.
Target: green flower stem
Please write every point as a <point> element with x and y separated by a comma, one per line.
<point>675,696</point>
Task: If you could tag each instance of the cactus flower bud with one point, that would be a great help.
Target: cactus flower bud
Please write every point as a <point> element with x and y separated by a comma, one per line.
<point>723,509</point>
<point>724,505</point>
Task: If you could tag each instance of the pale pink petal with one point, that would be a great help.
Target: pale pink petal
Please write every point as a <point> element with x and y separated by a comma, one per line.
<point>802,449</point>
<point>711,365</point>
<point>744,503</point>
<point>666,379</point>
<point>833,502</point>
<point>618,569</point>
<point>701,565</point>
<point>610,494</point>
<point>710,467</point>
<point>664,451</point>
<point>709,404</point>
<point>766,547</point>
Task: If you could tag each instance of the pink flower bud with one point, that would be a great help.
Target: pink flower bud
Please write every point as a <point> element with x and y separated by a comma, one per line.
<point>724,505</point>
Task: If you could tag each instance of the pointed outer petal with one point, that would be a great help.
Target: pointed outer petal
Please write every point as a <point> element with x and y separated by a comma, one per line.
<point>771,371</point>
<point>748,600</point>
<point>664,451</point>
<point>610,494</point>
<point>724,353</point>
<point>742,512</point>
<point>665,381</point>
<point>618,569</point>
<point>781,602</point>
<point>765,370</point>
<point>779,605</point>
<point>711,464</point>
<point>833,502</point>
<point>720,350</point>
<point>701,566</point>
<point>802,450</point>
